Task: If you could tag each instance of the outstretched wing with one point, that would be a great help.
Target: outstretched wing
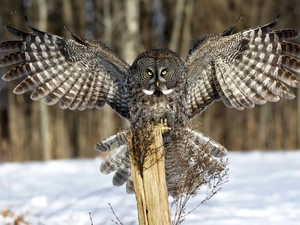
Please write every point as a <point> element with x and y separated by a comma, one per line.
<point>76,73</point>
<point>242,69</point>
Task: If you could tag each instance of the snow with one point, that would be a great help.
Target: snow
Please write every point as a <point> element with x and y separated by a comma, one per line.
<point>263,188</point>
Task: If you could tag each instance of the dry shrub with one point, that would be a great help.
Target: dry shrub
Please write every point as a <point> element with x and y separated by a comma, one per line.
<point>10,218</point>
<point>195,166</point>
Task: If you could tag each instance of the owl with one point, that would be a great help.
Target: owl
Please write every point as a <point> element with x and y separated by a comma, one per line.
<point>241,69</point>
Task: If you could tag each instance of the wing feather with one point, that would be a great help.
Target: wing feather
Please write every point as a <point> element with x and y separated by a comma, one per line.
<point>247,68</point>
<point>77,74</point>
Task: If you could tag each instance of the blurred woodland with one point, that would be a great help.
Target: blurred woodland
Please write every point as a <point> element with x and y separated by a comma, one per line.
<point>33,131</point>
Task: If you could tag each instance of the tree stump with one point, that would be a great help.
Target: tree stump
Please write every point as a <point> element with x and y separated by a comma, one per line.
<point>148,175</point>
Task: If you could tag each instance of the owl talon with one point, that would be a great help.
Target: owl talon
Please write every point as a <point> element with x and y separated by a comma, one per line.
<point>161,121</point>
<point>150,123</point>
<point>165,122</point>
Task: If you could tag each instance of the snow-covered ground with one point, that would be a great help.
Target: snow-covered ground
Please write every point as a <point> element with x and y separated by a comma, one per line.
<point>263,188</point>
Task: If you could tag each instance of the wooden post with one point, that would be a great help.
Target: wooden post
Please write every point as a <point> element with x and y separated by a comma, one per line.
<point>148,175</point>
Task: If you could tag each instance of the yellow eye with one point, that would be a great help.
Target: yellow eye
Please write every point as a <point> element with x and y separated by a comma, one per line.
<point>164,72</point>
<point>149,73</point>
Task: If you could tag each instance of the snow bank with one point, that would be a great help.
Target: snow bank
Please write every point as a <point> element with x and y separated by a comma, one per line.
<point>263,188</point>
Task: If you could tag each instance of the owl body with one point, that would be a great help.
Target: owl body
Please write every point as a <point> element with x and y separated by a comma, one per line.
<point>242,70</point>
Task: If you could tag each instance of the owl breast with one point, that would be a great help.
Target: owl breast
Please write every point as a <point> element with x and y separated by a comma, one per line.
<point>157,108</point>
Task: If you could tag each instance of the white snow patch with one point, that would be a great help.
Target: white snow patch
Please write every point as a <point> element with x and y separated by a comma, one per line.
<point>263,188</point>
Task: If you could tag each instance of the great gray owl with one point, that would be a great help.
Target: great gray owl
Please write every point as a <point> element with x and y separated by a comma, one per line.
<point>242,69</point>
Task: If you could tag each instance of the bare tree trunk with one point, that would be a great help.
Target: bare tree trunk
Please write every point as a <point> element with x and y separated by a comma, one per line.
<point>107,18</point>
<point>186,33</point>
<point>132,22</point>
<point>17,128</point>
<point>68,12</point>
<point>175,38</point>
<point>44,113</point>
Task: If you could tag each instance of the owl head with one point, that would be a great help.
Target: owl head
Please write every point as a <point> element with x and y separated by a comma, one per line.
<point>158,71</point>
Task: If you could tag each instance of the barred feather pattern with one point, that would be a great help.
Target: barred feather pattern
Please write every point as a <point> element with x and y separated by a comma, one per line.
<point>243,69</point>
<point>183,150</point>
<point>77,74</point>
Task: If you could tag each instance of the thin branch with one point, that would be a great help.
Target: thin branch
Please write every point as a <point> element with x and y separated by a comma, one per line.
<point>91,218</point>
<point>115,214</point>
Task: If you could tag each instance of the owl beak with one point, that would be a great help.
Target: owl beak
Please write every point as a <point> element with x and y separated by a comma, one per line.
<point>157,83</point>
<point>163,88</point>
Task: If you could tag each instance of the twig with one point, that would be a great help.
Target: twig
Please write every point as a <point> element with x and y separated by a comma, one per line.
<point>115,214</point>
<point>91,218</point>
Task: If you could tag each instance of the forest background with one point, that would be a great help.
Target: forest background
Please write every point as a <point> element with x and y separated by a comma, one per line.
<point>33,131</point>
